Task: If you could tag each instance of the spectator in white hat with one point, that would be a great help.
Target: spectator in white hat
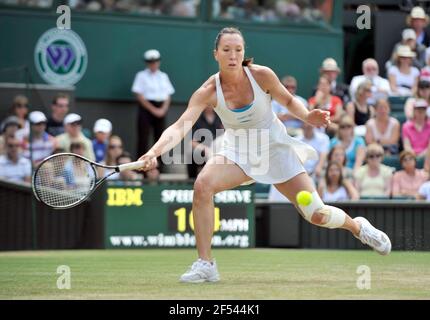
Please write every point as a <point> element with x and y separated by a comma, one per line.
<point>418,20</point>
<point>330,69</point>
<point>153,90</point>
<point>102,131</point>
<point>403,76</point>
<point>409,39</point>
<point>42,144</point>
<point>73,128</point>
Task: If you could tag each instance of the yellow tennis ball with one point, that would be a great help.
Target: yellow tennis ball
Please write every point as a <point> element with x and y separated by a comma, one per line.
<point>304,198</point>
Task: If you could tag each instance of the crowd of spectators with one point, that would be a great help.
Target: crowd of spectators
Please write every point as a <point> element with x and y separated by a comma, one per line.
<point>367,151</point>
<point>250,10</point>
<point>372,151</point>
<point>29,137</point>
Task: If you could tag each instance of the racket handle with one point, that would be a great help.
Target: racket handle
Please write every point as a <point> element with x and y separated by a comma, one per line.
<point>131,166</point>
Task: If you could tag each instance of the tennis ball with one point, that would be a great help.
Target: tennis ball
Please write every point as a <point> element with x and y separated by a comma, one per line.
<point>304,198</point>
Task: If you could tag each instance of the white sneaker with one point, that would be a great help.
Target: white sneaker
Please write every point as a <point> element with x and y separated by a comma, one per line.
<point>201,271</point>
<point>373,237</point>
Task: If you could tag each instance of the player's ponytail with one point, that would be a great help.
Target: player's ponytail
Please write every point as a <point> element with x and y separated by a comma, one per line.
<point>247,61</point>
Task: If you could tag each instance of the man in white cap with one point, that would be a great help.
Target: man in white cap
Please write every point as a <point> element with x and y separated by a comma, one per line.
<point>418,21</point>
<point>330,69</point>
<point>153,90</point>
<point>73,128</point>
<point>102,131</point>
<point>42,144</point>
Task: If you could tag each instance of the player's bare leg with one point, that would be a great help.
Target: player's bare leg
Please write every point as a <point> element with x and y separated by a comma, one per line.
<point>219,174</point>
<point>332,217</point>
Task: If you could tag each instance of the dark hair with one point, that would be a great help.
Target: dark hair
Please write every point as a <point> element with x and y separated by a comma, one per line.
<point>423,84</point>
<point>330,154</point>
<point>232,30</point>
<point>59,96</point>
<point>324,76</point>
<point>406,153</point>
<point>339,166</point>
<point>125,154</point>
<point>76,145</point>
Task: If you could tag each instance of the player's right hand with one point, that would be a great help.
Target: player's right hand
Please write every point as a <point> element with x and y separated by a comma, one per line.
<point>151,161</point>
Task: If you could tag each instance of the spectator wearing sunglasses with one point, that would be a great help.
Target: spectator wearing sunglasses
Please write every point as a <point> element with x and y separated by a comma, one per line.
<point>13,166</point>
<point>374,178</point>
<point>407,182</point>
<point>354,145</point>
<point>423,92</point>
<point>416,132</point>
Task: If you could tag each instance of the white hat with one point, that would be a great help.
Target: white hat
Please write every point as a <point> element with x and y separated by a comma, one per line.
<point>417,13</point>
<point>37,117</point>
<point>405,51</point>
<point>102,125</point>
<point>421,103</point>
<point>151,55</point>
<point>408,34</point>
<point>72,118</point>
<point>329,64</point>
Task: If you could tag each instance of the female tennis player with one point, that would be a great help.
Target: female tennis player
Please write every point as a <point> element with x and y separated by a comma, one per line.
<point>241,94</point>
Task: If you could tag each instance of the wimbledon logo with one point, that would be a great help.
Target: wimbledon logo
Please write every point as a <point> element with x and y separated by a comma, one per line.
<point>60,57</point>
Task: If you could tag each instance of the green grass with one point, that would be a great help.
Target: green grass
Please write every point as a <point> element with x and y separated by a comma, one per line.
<point>246,274</point>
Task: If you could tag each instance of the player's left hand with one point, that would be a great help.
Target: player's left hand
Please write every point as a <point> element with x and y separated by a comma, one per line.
<point>318,118</point>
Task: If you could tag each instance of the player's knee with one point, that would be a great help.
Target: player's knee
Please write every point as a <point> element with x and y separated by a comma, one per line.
<point>202,186</point>
<point>320,214</point>
<point>318,218</point>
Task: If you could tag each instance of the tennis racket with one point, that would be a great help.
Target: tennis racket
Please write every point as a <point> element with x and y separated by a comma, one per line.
<point>65,180</point>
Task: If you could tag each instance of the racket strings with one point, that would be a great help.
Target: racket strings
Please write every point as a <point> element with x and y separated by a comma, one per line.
<point>64,180</point>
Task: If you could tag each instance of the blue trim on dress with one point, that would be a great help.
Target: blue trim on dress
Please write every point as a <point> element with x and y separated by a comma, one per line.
<point>243,108</point>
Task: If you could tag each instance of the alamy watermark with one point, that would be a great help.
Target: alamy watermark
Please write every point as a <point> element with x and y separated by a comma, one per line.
<point>364,21</point>
<point>64,21</point>
<point>64,281</point>
<point>250,147</point>
<point>364,280</point>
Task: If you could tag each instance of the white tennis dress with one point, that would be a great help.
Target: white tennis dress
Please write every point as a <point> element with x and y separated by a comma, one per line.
<point>257,141</point>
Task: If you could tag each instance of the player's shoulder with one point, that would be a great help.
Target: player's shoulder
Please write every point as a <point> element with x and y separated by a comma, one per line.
<point>261,71</point>
<point>208,87</point>
<point>207,91</point>
<point>264,76</point>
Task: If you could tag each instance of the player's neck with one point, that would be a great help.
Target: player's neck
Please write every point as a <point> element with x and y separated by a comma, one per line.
<point>231,77</point>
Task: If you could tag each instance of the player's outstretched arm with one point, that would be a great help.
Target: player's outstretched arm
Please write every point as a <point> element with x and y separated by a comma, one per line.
<point>271,84</point>
<point>174,134</point>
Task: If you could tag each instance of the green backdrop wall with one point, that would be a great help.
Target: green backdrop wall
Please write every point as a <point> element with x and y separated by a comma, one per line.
<point>115,45</point>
